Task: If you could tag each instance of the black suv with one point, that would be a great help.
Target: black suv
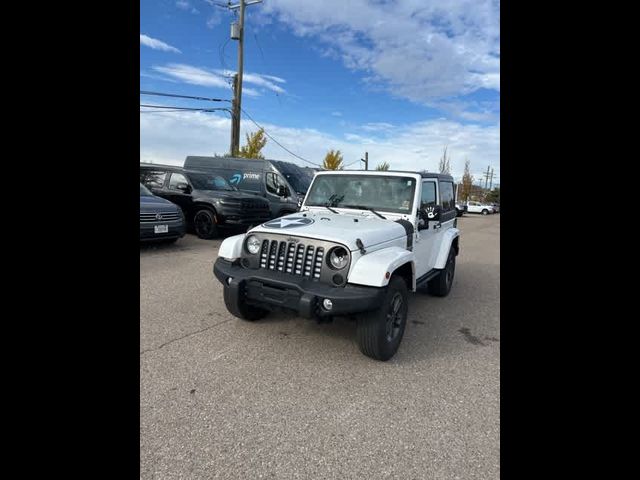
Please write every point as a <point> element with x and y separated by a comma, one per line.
<point>208,201</point>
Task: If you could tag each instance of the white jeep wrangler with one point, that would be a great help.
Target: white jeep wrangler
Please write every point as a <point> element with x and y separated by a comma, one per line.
<point>360,242</point>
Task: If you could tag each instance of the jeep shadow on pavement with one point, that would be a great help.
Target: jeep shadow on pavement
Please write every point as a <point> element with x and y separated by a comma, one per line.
<point>361,241</point>
<point>210,204</point>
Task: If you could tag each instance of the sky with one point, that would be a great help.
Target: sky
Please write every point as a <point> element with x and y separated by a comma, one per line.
<point>399,79</point>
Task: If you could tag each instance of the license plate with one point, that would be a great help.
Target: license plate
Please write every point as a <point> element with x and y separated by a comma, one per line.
<point>161,228</point>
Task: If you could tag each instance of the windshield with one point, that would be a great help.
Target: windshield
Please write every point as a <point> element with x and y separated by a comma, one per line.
<point>389,194</point>
<point>299,178</point>
<point>208,181</point>
<point>144,191</point>
<point>299,181</point>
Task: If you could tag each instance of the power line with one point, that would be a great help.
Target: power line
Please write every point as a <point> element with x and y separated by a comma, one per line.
<point>222,54</point>
<point>160,94</point>
<point>255,36</point>
<point>277,143</point>
<point>166,107</point>
<point>352,163</point>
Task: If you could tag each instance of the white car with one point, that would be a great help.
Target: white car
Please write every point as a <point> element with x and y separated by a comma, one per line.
<point>360,242</point>
<point>477,207</point>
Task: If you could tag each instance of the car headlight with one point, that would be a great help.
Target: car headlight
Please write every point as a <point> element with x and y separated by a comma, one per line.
<point>338,258</point>
<point>253,244</point>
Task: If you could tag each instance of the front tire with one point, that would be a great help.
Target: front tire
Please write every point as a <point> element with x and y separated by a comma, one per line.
<point>440,286</point>
<point>485,212</point>
<point>242,310</point>
<point>379,333</point>
<point>205,225</point>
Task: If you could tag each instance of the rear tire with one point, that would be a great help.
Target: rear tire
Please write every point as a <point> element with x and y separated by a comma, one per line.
<point>485,212</point>
<point>440,286</point>
<point>205,225</point>
<point>379,333</point>
<point>242,310</point>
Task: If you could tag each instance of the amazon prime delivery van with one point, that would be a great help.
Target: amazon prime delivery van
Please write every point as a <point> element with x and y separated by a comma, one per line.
<point>283,184</point>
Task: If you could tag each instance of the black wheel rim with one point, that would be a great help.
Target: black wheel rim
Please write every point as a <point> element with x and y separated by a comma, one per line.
<point>449,272</point>
<point>394,317</point>
<point>204,224</point>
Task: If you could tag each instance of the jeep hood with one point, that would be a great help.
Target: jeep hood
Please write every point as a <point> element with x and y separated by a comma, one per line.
<point>339,228</point>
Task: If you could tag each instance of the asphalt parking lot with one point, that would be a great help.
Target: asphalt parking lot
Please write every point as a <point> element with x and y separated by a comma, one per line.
<point>287,398</point>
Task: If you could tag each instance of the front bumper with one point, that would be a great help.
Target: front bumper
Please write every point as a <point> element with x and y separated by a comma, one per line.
<point>176,230</point>
<point>274,290</point>
<point>243,220</point>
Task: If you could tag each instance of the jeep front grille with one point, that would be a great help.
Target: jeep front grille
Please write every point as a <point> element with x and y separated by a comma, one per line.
<point>291,257</point>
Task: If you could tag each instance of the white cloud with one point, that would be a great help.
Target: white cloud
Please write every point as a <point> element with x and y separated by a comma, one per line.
<point>219,78</point>
<point>157,44</point>
<point>418,50</point>
<point>257,79</point>
<point>170,137</point>
<point>193,75</point>
<point>377,127</point>
<point>336,114</point>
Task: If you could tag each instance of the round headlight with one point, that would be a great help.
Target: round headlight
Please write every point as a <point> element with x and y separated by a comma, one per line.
<point>253,244</point>
<point>338,258</point>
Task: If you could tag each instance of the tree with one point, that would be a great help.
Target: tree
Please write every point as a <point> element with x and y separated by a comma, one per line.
<point>332,160</point>
<point>467,182</point>
<point>255,143</point>
<point>445,161</point>
<point>494,195</point>
<point>383,166</point>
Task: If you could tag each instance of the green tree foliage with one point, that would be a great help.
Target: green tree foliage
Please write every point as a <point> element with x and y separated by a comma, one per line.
<point>332,160</point>
<point>467,182</point>
<point>255,143</point>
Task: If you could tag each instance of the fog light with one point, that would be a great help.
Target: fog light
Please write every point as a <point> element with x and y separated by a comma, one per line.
<point>327,304</point>
<point>229,280</point>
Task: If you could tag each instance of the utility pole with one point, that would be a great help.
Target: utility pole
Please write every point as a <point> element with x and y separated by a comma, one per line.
<point>486,178</point>
<point>365,160</point>
<point>491,180</point>
<point>237,79</point>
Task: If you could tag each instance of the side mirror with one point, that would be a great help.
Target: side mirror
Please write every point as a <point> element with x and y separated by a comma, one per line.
<point>282,191</point>
<point>428,214</point>
<point>184,187</point>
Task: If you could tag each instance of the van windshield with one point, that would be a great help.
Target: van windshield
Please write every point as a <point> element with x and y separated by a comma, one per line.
<point>299,178</point>
<point>300,182</point>
<point>207,181</point>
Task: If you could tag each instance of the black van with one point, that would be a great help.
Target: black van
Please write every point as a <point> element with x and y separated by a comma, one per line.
<point>208,201</point>
<point>283,184</point>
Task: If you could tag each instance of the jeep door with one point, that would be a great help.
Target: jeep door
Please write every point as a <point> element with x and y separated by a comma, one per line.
<point>427,237</point>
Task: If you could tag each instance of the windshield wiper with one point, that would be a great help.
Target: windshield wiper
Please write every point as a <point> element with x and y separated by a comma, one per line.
<point>334,200</point>
<point>365,208</point>
<point>331,209</point>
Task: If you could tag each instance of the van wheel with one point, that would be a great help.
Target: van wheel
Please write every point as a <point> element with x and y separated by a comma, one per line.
<point>242,310</point>
<point>205,225</point>
<point>440,286</point>
<point>379,333</point>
